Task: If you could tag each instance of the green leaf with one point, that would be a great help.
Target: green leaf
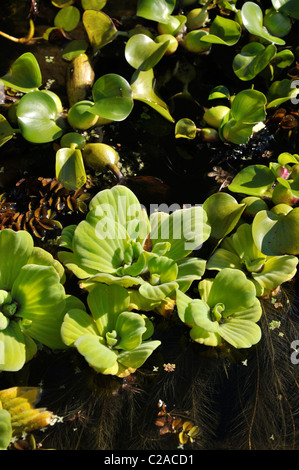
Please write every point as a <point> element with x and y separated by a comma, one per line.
<point>235,131</point>
<point>113,97</point>
<point>231,288</point>
<point>184,229</point>
<point>41,299</point>
<point>223,31</point>
<point>67,18</point>
<point>158,292</point>
<point>38,117</point>
<point>280,91</point>
<point>70,170</point>
<point>130,327</point>
<point>276,234</point>
<point>142,53</point>
<point>240,333</point>
<point>6,131</point>
<point>142,84</point>
<point>185,128</point>
<point>254,180</point>
<point>283,59</point>
<point>98,247</point>
<point>155,10</point>
<point>137,357</point>
<point>121,204</point>
<point>74,48</point>
<point>223,213</point>
<point>98,356</point>
<point>252,59</point>
<point>18,247</point>
<point>5,429</point>
<point>99,28</point>
<point>24,74</point>
<point>76,323</point>
<point>189,270</point>
<point>248,106</point>
<point>277,269</point>
<point>223,258</point>
<point>183,303</point>
<point>13,344</point>
<point>106,303</point>
<point>252,18</point>
<point>219,91</point>
<point>290,7</point>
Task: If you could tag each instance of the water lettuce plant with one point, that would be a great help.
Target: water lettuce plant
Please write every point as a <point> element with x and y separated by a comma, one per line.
<point>112,339</point>
<point>227,311</point>
<point>240,252</point>
<point>119,244</point>
<point>32,299</point>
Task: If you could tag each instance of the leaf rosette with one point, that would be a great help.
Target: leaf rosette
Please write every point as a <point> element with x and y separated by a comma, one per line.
<point>240,252</point>
<point>228,310</point>
<point>119,243</point>
<point>112,339</point>
<point>32,299</point>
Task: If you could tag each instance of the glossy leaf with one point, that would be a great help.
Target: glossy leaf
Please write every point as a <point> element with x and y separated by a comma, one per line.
<point>113,97</point>
<point>99,28</point>
<point>252,18</point>
<point>6,131</point>
<point>223,213</point>
<point>283,59</point>
<point>223,31</point>
<point>143,53</point>
<point>70,170</point>
<point>289,7</point>
<point>155,10</point>
<point>219,91</point>
<point>142,84</point>
<point>252,59</point>
<point>38,117</point>
<point>185,128</point>
<point>254,180</point>
<point>74,48</point>
<point>24,74</point>
<point>248,106</point>
<point>67,18</point>
<point>280,91</point>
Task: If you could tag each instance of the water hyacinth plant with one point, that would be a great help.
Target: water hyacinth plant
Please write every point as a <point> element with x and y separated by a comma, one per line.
<point>119,244</point>
<point>32,299</point>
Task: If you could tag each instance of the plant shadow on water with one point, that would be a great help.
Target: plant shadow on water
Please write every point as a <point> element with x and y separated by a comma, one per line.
<point>195,382</point>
